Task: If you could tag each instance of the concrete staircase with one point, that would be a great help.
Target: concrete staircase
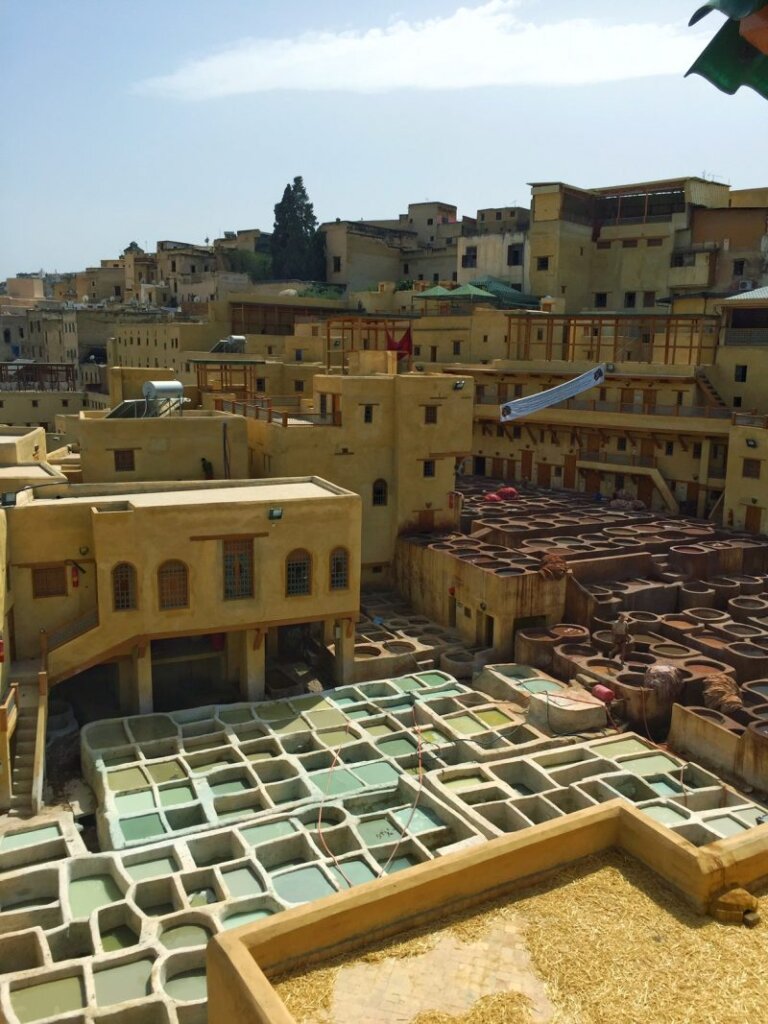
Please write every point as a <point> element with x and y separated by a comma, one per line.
<point>23,761</point>
<point>709,391</point>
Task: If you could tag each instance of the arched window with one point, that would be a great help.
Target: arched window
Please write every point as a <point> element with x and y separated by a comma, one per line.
<point>173,585</point>
<point>379,492</point>
<point>298,573</point>
<point>123,587</point>
<point>339,569</point>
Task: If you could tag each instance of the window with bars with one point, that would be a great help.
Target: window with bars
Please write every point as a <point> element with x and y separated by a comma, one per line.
<point>751,468</point>
<point>339,569</point>
<point>123,587</point>
<point>125,461</point>
<point>50,581</point>
<point>173,585</point>
<point>430,414</point>
<point>238,569</point>
<point>298,574</point>
<point>379,493</point>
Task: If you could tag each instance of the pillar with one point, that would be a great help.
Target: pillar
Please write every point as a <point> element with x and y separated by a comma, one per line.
<point>135,680</point>
<point>701,503</point>
<point>253,674</point>
<point>142,659</point>
<point>328,631</point>
<point>344,644</point>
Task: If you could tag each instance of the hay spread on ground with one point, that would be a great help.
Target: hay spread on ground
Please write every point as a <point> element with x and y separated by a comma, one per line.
<point>614,945</point>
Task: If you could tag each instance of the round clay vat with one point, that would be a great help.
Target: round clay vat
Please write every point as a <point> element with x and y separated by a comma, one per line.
<point>398,647</point>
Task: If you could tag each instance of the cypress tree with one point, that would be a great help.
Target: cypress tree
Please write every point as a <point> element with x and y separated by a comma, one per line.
<point>298,249</point>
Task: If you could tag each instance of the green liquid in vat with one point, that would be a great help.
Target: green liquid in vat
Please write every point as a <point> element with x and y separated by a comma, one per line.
<point>396,747</point>
<point>376,831</point>
<point>185,935</point>
<point>616,747</point>
<point>649,765</point>
<point>337,738</point>
<point>20,840</point>
<point>408,683</point>
<point>400,864</point>
<point>302,885</point>
<point>377,774</point>
<point>144,827</point>
<point>150,868</point>
<point>665,814</point>
<point>126,803</point>
<point>126,778</point>
<point>202,897</point>
<point>242,882</point>
<point>117,938</point>
<point>465,724</point>
<point>334,782</point>
<point>664,788</point>
<point>418,820</point>
<point>493,717</point>
<point>166,771</point>
<point>187,987</point>
<point>236,715</point>
<point>353,872</point>
<point>176,795</point>
<point>381,729</point>
<point>726,826</point>
<point>122,983</point>
<point>256,834</point>
<point>229,786</point>
<point>48,999</point>
<point>88,894</point>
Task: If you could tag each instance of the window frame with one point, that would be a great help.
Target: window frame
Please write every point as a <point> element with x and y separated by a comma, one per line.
<point>292,561</point>
<point>129,587</point>
<point>236,585</point>
<point>125,460</point>
<point>166,583</point>
<point>379,493</point>
<point>335,575</point>
<point>46,572</point>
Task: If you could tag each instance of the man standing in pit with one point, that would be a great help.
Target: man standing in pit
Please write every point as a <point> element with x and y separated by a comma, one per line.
<point>621,638</point>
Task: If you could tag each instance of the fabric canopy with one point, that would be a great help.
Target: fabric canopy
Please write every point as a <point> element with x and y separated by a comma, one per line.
<point>552,396</point>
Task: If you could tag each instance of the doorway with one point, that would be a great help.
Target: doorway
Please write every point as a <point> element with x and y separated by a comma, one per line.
<point>753,519</point>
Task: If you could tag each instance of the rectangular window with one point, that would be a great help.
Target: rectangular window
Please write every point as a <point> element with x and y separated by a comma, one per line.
<point>498,215</point>
<point>417,350</point>
<point>517,433</point>
<point>697,451</point>
<point>367,414</point>
<point>430,414</point>
<point>649,298</point>
<point>435,278</point>
<point>737,401</point>
<point>654,241</point>
<point>35,403</point>
<point>514,255</point>
<point>603,244</point>
<point>601,300</point>
<point>740,374</point>
<point>457,348</point>
<point>518,390</point>
<point>238,569</point>
<point>751,468</point>
<point>542,262</point>
<point>298,386</point>
<point>51,581</point>
<point>629,243</point>
<point>469,259</point>
<point>299,355</point>
<point>669,448</point>
<point>739,266</point>
<point>429,467</point>
<point>125,461</point>
<point>630,298</point>
<point>405,268</point>
<point>337,264</point>
<point>621,444</point>
<point>261,384</point>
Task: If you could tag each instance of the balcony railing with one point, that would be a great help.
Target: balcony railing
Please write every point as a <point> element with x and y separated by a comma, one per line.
<point>265,412</point>
<point>618,458</point>
<point>746,336</point>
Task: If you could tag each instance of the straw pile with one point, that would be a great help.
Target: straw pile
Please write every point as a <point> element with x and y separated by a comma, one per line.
<point>614,946</point>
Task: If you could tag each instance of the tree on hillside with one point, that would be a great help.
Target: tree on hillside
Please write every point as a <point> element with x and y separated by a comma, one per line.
<point>298,247</point>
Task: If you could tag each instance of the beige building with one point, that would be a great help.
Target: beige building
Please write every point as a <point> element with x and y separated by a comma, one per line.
<point>394,439</point>
<point>625,247</point>
<point>226,567</point>
<point>186,445</point>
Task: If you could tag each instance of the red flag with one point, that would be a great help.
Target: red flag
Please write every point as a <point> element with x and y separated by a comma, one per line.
<point>404,347</point>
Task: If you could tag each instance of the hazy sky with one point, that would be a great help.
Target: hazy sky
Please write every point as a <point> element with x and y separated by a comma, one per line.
<point>179,119</point>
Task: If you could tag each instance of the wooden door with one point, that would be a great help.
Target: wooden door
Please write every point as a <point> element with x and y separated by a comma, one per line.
<point>526,465</point>
<point>752,519</point>
<point>569,472</point>
<point>497,468</point>
<point>592,482</point>
<point>647,448</point>
<point>544,474</point>
<point>426,520</point>
<point>645,490</point>
<point>510,470</point>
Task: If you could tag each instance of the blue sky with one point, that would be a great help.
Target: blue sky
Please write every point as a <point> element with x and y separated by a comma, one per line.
<point>181,118</point>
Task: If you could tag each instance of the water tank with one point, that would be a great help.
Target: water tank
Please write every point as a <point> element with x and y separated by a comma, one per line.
<point>162,389</point>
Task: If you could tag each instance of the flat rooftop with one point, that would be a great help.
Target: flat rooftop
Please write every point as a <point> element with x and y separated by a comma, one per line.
<point>269,491</point>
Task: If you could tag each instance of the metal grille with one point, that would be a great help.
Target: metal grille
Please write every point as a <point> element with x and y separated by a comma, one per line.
<point>298,574</point>
<point>123,587</point>
<point>124,460</point>
<point>379,496</point>
<point>238,569</point>
<point>173,585</point>
<point>339,569</point>
<point>49,582</point>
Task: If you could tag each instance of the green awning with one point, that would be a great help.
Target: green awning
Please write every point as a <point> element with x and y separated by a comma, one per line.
<point>470,291</point>
<point>437,292</point>
<point>730,61</point>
